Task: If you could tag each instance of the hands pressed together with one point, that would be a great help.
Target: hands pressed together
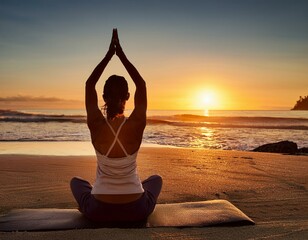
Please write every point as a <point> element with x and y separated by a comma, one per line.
<point>115,47</point>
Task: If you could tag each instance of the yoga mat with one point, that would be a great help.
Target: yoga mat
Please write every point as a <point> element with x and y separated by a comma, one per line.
<point>188,214</point>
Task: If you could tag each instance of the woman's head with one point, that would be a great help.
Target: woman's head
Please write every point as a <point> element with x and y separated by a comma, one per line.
<point>115,95</point>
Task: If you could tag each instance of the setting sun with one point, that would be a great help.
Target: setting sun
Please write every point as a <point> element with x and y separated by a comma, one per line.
<point>207,99</point>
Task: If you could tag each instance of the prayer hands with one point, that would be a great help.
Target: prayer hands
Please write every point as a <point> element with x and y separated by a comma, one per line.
<point>115,46</point>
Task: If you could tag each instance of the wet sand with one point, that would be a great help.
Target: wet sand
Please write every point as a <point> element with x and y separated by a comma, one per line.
<point>270,188</point>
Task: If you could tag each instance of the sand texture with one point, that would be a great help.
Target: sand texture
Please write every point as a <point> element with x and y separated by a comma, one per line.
<point>270,188</point>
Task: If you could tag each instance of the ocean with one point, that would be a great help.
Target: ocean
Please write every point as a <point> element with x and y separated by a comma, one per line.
<point>228,130</point>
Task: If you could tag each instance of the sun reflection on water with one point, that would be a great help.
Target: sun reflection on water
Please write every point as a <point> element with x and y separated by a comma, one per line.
<point>207,132</point>
<point>205,138</point>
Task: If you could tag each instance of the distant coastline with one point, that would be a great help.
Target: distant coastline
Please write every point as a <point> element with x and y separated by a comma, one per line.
<point>301,104</point>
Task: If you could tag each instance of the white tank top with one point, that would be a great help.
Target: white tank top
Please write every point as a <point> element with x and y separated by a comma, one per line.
<point>117,175</point>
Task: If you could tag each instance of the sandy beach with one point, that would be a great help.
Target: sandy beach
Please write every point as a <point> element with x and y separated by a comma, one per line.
<point>270,188</point>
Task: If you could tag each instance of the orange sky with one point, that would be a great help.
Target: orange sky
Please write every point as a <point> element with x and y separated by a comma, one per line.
<point>248,56</point>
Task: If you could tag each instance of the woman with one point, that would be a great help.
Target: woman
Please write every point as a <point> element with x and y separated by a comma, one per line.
<point>117,195</point>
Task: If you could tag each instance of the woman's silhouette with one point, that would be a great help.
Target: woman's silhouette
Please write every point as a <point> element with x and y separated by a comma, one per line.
<point>117,194</point>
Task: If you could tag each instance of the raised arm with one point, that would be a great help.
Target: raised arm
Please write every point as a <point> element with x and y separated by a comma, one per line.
<point>93,111</point>
<point>140,98</point>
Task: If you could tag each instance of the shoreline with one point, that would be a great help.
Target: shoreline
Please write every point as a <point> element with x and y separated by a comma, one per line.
<point>85,148</point>
<point>57,148</point>
<point>270,188</point>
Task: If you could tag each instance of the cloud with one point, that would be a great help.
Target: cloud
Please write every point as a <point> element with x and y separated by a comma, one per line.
<point>21,98</point>
<point>32,102</point>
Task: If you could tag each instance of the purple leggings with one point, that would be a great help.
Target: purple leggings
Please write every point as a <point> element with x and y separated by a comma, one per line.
<point>96,210</point>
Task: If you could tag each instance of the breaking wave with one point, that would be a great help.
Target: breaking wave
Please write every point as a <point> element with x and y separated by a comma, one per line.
<point>184,120</point>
